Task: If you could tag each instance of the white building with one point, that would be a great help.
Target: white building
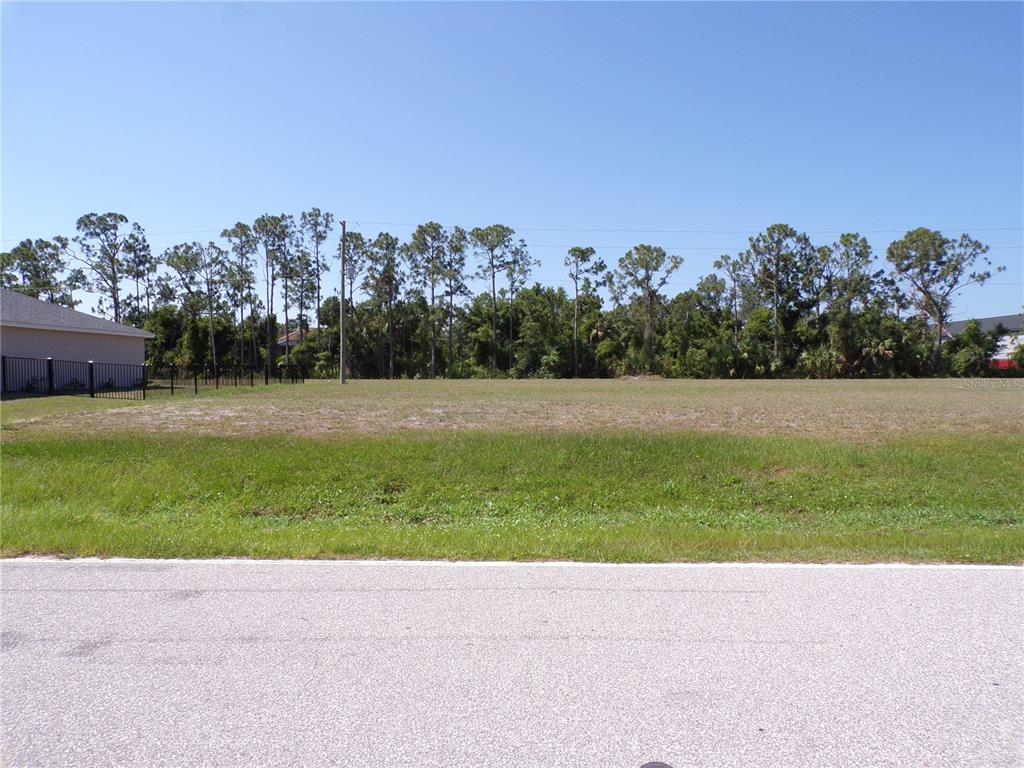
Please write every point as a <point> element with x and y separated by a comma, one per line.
<point>33,329</point>
<point>1009,339</point>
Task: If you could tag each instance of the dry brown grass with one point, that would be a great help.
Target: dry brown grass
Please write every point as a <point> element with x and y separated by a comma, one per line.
<point>862,411</point>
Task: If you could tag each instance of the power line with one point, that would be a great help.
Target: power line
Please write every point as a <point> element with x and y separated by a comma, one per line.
<point>623,230</point>
<point>706,231</point>
<point>712,247</point>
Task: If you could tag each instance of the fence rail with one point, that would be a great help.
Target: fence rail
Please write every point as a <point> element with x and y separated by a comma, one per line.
<point>31,376</point>
<point>175,378</point>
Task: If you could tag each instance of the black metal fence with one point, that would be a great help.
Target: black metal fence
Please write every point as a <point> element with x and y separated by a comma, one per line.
<point>176,379</point>
<point>28,376</point>
<point>46,376</point>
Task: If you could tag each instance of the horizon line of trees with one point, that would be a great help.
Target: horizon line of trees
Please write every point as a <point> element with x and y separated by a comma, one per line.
<point>783,306</point>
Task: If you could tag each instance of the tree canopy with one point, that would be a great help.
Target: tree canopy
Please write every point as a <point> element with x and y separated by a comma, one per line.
<point>783,306</point>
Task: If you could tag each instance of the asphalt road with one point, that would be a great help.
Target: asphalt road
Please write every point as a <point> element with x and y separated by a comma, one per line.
<point>396,664</point>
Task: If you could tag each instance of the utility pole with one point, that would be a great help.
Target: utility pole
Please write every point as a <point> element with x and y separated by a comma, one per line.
<point>341,348</point>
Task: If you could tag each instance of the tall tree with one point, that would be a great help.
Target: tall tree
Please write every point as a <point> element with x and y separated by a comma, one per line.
<point>518,267</point>
<point>492,245</point>
<point>305,281</point>
<point>184,261</point>
<point>103,240</point>
<point>271,233</point>
<point>355,260</point>
<point>854,286</point>
<point>287,261</point>
<point>853,278</point>
<point>643,271</point>
<point>140,268</point>
<point>779,258</point>
<point>240,278</point>
<point>34,268</point>
<point>316,228</point>
<point>736,270</point>
<point>934,269</point>
<point>582,265</point>
<point>355,263</point>
<point>212,265</point>
<point>382,283</point>
<point>453,273</point>
<point>427,249</point>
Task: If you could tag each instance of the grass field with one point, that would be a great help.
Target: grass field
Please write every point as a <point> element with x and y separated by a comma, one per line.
<point>629,470</point>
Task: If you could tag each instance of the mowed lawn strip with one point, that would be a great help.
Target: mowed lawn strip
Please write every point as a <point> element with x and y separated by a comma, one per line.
<point>486,495</point>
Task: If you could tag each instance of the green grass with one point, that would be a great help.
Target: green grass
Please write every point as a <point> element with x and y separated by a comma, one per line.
<point>490,495</point>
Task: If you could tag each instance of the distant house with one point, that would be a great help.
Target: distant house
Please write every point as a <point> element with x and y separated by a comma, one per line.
<point>292,339</point>
<point>1010,339</point>
<point>30,328</point>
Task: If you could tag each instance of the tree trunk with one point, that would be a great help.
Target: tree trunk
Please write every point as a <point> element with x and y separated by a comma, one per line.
<point>735,318</point>
<point>391,343</point>
<point>115,292</point>
<point>576,330</point>
<point>649,331</point>
<point>937,360</point>
<point>270,310</point>
<point>775,321</point>
<point>287,331</point>
<point>511,300</point>
<point>451,325</point>
<point>241,333</point>
<point>316,255</point>
<point>433,333</point>
<point>252,329</point>
<point>349,336</point>
<point>213,342</point>
<point>494,319</point>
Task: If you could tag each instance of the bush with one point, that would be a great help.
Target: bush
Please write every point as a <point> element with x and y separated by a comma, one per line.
<point>820,363</point>
<point>697,364</point>
<point>970,353</point>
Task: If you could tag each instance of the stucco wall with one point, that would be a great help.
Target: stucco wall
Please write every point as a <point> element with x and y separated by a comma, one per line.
<point>64,345</point>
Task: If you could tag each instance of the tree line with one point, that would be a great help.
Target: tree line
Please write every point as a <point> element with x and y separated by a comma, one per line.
<point>783,306</point>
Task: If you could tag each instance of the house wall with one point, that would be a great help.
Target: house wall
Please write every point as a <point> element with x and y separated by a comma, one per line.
<point>67,345</point>
<point>1006,346</point>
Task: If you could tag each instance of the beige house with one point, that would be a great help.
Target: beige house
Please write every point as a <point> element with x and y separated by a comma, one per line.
<point>35,329</point>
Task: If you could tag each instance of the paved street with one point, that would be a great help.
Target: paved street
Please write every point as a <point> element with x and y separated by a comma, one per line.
<point>398,664</point>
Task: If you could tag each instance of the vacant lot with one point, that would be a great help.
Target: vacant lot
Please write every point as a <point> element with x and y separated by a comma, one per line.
<point>850,410</point>
<point>597,470</point>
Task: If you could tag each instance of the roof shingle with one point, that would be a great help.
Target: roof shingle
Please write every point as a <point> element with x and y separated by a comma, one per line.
<point>20,311</point>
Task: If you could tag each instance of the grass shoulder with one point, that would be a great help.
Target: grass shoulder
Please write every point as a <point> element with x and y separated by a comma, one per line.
<point>491,495</point>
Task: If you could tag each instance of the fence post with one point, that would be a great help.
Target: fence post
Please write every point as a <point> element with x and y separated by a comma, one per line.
<point>216,377</point>
<point>3,373</point>
<point>92,379</point>
<point>49,375</point>
<point>145,375</point>
<point>195,380</point>
<point>172,381</point>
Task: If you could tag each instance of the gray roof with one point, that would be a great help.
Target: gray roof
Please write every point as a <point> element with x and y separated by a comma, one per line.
<point>20,311</point>
<point>1010,323</point>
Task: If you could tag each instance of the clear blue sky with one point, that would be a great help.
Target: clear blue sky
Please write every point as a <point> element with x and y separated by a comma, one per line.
<point>560,120</point>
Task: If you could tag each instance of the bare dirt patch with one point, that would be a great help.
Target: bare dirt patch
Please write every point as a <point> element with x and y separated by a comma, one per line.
<point>864,411</point>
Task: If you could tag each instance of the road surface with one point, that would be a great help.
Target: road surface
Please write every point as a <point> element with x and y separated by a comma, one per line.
<point>240,663</point>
